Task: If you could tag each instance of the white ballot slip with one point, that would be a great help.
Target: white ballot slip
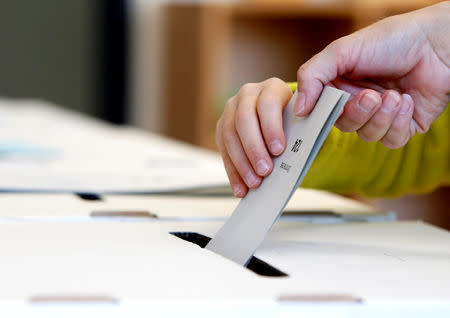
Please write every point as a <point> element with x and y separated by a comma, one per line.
<point>255,215</point>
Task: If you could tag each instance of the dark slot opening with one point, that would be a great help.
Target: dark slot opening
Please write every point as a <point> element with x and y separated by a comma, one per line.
<point>255,265</point>
<point>89,196</point>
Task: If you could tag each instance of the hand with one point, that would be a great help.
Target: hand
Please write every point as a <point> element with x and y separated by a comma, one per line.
<point>250,130</point>
<point>397,71</point>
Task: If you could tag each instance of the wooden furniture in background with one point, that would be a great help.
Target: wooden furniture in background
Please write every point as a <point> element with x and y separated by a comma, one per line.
<point>212,49</point>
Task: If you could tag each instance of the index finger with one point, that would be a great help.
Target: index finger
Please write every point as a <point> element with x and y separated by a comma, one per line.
<point>271,103</point>
<point>324,67</point>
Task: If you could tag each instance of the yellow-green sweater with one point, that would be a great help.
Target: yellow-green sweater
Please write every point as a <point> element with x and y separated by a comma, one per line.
<point>348,164</point>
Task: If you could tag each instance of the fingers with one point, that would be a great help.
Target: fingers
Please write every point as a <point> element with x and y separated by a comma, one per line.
<point>234,148</point>
<point>401,128</point>
<point>270,105</point>
<point>336,59</point>
<point>248,129</point>
<point>238,186</point>
<point>359,110</point>
<point>386,118</point>
<point>381,121</point>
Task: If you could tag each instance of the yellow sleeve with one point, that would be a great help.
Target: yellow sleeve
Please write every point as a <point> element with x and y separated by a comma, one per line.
<point>348,164</point>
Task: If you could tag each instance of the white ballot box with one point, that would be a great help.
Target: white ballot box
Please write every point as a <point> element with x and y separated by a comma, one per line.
<point>103,234</point>
<point>154,263</point>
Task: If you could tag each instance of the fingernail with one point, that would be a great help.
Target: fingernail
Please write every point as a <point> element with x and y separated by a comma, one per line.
<point>238,190</point>
<point>406,105</point>
<point>367,102</point>
<point>251,179</point>
<point>276,147</point>
<point>262,167</point>
<point>390,102</point>
<point>300,103</point>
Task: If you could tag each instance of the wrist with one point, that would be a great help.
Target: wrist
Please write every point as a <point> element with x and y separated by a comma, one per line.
<point>434,22</point>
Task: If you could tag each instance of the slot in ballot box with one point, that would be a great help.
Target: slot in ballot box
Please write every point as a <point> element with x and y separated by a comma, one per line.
<point>151,262</point>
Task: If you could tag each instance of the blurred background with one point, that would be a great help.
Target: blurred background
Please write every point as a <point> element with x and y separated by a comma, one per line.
<point>169,66</point>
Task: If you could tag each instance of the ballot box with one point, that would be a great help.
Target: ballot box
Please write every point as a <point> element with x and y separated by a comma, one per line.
<point>162,264</point>
<point>126,256</point>
<point>111,222</point>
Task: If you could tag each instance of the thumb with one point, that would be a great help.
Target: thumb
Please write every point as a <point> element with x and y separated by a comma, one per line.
<point>335,60</point>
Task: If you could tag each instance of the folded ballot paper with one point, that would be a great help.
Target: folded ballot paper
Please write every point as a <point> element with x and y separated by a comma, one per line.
<point>255,215</point>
